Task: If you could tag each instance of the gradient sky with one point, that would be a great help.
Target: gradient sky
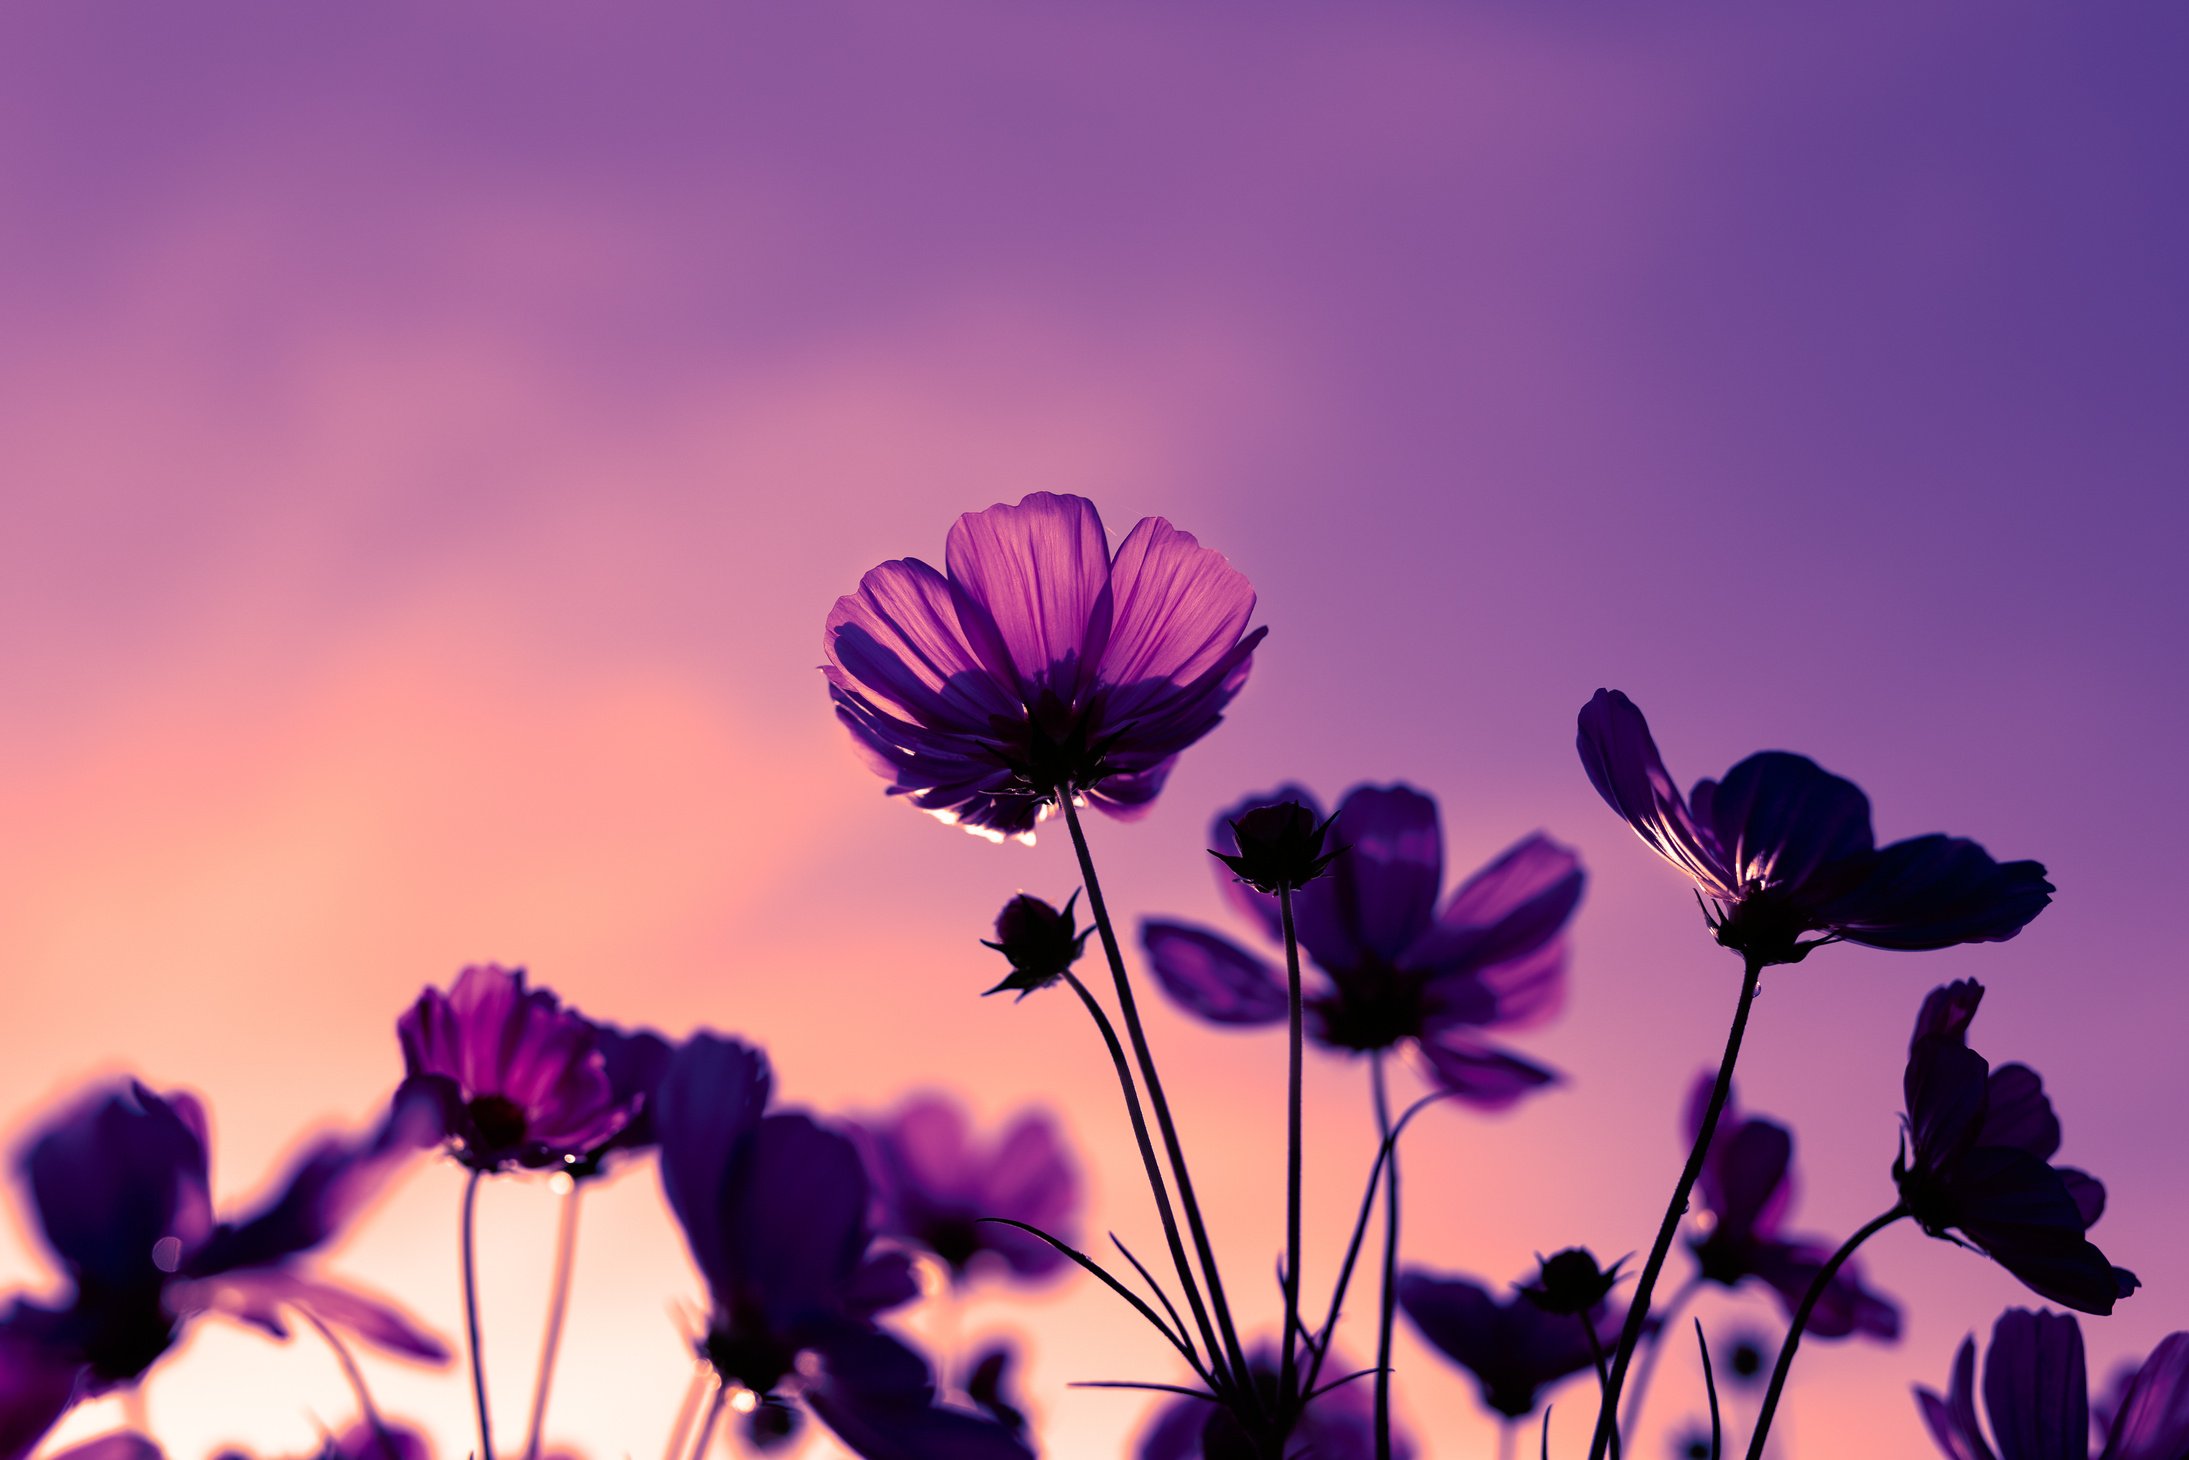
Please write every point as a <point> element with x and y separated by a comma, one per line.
<point>434,435</point>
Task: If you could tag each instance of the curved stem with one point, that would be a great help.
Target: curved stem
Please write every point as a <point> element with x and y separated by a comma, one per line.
<point>1387,1304</point>
<point>1638,1315</point>
<point>1638,1393</point>
<point>1603,1369</point>
<point>707,1425</point>
<point>468,1247</point>
<point>1288,1371</point>
<point>1155,1177</point>
<point>558,1305</point>
<point>1809,1301</point>
<point>369,1411</point>
<point>1130,1011</point>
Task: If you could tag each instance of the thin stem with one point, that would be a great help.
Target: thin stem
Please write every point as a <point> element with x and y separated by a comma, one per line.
<point>1638,1392</point>
<point>1603,1369</point>
<point>356,1377</point>
<point>1710,1389</point>
<point>707,1425</point>
<point>471,1311</point>
<point>1387,1305</point>
<point>686,1412</point>
<point>558,1305</point>
<point>1130,1011</point>
<point>1638,1316</point>
<point>1288,1371</point>
<point>1809,1301</point>
<point>1508,1439</point>
<point>1155,1175</point>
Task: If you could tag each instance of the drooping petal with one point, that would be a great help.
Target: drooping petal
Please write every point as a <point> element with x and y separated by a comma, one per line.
<point>1031,584</point>
<point>261,1297</point>
<point>1261,907</point>
<point>1785,821</point>
<point>118,1173</point>
<point>1482,1075</point>
<point>2152,1420</point>
<point>795,1219</point>
<point>2034,1387</point>
<point>1936,891</point>
<point>877,1396</point>
<point>1623,765</point>
<point>1381,892</point>
<point>1509,910</point>
<point>1213,977</point>
<point>711,1097</point>
<point>1178,607</point>
<point>2024,1217</point>
<point>1946,1086</point>
<point>1952,1420</point>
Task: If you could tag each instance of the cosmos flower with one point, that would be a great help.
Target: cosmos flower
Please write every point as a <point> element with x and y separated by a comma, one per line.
<point>1977,1156</point>
<point>119,1190</point>
<point>1746,1189</point>
<point>2036,1396</point>
<point>1041,942</point>
<point>936,1183</point>
<point>1513,1347</point>
<point>1340,1425</point>
<point>1041,666</point>
<point>1396,969</point>
<point>1783,849</point>
<point>635,1061</point>
<point>775,1208</point>
<point>520,1078</point>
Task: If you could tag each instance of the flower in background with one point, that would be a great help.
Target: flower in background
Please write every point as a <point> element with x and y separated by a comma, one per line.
<point>2036,1395</point>
<point>1977,1160</point>
<point>1514,1348</point>
<point>1041,666</point>
<point>1784,849</point>
<point>775,1209</point>
<point>1746,1189</point>
<point>1281,846</point>
<point>1692,1442</point>
<point>1339,1425</point>
<point>635,1060</point>
<point>520,1079</point>
<point>1571,1282</point>
<point>1039,940</point>
<point>1748,1356</point>
<point>935,1184</point>
<point>1396,968</point>
<point>119,1191</point>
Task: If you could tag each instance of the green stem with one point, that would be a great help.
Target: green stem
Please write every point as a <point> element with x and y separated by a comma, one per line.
<point>1387,1304</point>
<point>1809,1301</point>
<point>1288,1371</point>
<point>471,1312</point>
<point>558,1305</point>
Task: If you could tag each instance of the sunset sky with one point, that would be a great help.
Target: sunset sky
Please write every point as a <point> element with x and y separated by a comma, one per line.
<point>434,435</point>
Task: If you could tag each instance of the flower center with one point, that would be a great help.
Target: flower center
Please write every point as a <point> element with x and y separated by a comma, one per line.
<point>499,1122</point>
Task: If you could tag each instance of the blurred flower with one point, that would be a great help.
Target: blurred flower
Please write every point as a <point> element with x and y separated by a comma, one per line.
<point>1783,848</point>
<point>1514,1349</point>
<point>519,1077</point>
<point>118,1188</point>
<point>935,1185</point>
<point>1570,1283</point>
<point>1279,846</point>
<point>1398,969</point>
<point>1746,1189</point>
<point>1692,1442</point>
<point>1748,1355</point>
<point>1039,940</point>
<point>635,1061</point>
<point>774,1209</point>
<point>2036,1395</point>
<point>1041,666</point>
<point>364,1441</point>
<point>989,1386</point>
<point>1977,1160</point>
<point>1341,1425</point>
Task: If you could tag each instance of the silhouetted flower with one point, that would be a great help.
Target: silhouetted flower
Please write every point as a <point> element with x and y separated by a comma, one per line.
<point>1279,845</point>
<point>1784,849</point>
<point>1746,1190</point>
<point>119,1190</point>
<point>775,1210</point>
<point>1398,969</point>
<point>635,1061</point>
<point>935,1185</point>
<point>1977,1160</point>
<point>2036,1395</point>
<point>520,1078</point>
<point>989,1387</point>
<point>1041,666</point>
<point>1039,940</point>
<point>1692,1442</point>
<point>1341,1425</point>
<point>1570,1283</point>
<point>1514,1349</point>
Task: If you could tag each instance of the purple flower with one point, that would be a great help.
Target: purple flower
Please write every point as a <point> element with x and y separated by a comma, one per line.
<point>1341,1425</point>
<point>1977,1160</point>
<point>775,1210</point>
<point>2036,1394</point>
<point>936,1183</point>
<point>1041,666</point>
<point>520,1078</point>
<point>1396,968</point>
<point>1784,849</point>
<point>635,1061</point>
<point>1746,1189</point>
<point>1514,1349</point>
<point>119,1190</point>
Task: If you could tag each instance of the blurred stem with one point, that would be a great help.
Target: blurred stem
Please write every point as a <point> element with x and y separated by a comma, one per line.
<point>686,1412</point>
<point>1809,1301</point>
<point>1288,1372</point>
<point>558,1305</point>
<point>1130,1010</point>
<point>1638,1395</point>
<point>705,1437</point>
<point>365,1407</point>
<point>467,1247</point>
<point>1607,1422</point>
<point>1603,1370</point>
<point>1387,1304</point>
<point>1508,1439</point>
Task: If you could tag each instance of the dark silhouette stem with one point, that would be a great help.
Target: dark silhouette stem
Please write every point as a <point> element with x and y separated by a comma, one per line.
<point>558,1305</point>
<point>365,1407</point>
<point>471,1312</point>
<point>1809,1301</point>
<point>1638,1392</point>
<point>1603,1369</point>
<point>1607,1422</point>
<point>1387,1303</point>
<point>1288,1371</point>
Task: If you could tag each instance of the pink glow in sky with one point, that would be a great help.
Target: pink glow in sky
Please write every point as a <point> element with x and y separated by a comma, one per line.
<point>435,434</point>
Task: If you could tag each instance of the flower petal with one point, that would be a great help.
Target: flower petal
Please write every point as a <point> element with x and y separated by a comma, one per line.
<point>2152,1421</point>
<point>1508,910</point>
<point>257,1296</point>
<point>1936,891</point>
<point>1482,1075</point>
<point>117,1172</point>
<point>2021,1213</point>
<point>1947,1010</point>
<point>1623,765</point>
<point>1952,1421</point>
<point>1784,821</point>
<point>1847,1305</point>
<point>898,643</point>
<point>710,1098</point>
<point>1946,1086</point>
<point>2034,1386</point>
<point>1178,607</point>
<point>37,1386</point>
<point>1213,977</point>
<point>1032,587</point>
<point>2017,1114</point>
<point>795,1219</point>
<point>1747,1180</point>
<point>1381,892</point>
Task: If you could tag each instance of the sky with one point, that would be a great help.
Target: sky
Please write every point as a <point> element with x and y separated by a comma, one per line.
<point>435,435</point>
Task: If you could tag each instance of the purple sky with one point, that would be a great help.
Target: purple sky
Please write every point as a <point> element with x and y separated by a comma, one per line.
<point>435,436</point>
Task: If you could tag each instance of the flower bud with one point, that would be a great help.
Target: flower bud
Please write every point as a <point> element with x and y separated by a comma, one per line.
<point>1570,1282</point>
<point>1039,940</point>
<point>1280,847</point>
